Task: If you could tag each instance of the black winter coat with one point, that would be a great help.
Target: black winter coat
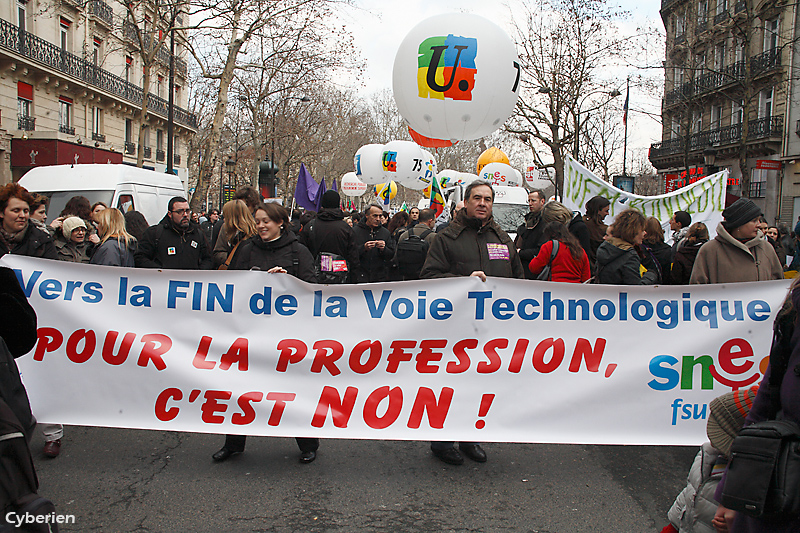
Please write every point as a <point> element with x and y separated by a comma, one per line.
<point>466,246</point>
<point>620,266</point>
<point>34,243</point>
<point>578,228</point>
<point>374,263</point>
<point>165,246</point>
<point>328,232</point>
<point>683,263</point>
<point>530,239</point>
<point>285,252</point>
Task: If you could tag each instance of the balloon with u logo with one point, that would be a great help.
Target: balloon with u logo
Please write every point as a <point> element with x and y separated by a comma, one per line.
<point>368,165</point>
<point>456,76</point>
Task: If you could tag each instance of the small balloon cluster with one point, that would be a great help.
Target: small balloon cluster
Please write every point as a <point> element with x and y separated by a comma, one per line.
<point>403,162</point>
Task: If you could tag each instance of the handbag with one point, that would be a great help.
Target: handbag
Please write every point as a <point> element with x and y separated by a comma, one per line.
<point>763,477</point>
<point>546,272</point>
<point>227,263</point>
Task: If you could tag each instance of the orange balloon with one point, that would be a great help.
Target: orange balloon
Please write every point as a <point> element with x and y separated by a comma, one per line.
<point>491,155</point>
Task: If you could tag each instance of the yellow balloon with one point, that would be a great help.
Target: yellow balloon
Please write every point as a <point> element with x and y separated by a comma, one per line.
<point>382,187</point>
<point>491,155</point>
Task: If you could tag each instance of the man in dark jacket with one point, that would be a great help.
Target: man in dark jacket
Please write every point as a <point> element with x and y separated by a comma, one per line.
<point>410,260</point>
<point>530,233</point>
<point>375,247</point>
<point>453,253</point>
<point>330,233</point>
<point>175,242</point>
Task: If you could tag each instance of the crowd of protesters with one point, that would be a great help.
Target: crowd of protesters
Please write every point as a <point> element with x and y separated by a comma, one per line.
<point>334,246</point>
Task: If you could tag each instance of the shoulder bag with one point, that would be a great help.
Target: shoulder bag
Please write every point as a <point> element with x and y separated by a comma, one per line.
<point>547,272</point>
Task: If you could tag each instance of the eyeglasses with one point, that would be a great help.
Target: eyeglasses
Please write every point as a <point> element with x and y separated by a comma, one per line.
<point>181,211</point>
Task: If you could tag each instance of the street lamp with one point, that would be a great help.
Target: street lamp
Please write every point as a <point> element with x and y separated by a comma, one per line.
<point>709,158</point>
<point>611,94</point>
<point>230,166</point>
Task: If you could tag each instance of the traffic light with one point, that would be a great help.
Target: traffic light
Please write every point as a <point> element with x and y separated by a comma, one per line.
<point>267,178</point>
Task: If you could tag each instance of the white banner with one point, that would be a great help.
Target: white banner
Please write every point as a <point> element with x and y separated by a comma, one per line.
<point>451,359</point>
<point>704,200</point>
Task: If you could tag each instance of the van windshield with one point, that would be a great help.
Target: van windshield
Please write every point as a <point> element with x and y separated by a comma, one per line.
<point>509,216</point>
<point>59,199</point>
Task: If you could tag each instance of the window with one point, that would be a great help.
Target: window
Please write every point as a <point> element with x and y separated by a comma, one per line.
<point>159,139</point>
<point>722,6</point>
<point>147,136</point>
<point>97,122</point>
<point>697,121</point>
<point>738,51</point>
<point>719,56</point>
<point>770,34</point>
<point>128,130</point>
<point>680,25</point>
<point>64,114</point>
<point>676,128</point>
<point>700,59</point>
<point>22,16</point>
<point>737,112</point>
<point>702,11</point>
<point>64,34</point>
<point>678,77</point>
<point>96,44</point>
<point>160,86</point>
<point>765,104</point>
<point>128,68</point>
<point>716,117</point>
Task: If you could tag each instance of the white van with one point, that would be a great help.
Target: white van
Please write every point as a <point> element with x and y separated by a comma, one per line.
<point>509,207</point>
<point>122,186</point>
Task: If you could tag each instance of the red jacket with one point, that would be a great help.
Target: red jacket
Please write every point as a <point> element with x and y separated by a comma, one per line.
<point>565,268</point>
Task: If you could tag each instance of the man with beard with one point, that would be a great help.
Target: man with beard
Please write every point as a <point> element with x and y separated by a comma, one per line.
<point>175,242</point>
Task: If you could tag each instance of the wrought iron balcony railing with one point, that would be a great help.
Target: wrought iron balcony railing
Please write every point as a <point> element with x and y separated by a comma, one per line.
<point>160,155</point>
<point>99,137</point>
<point>50,55</point>
<point>26,123</point>
<point>719,18</point>
<point>148,152</point>
<point>162,55</point>
<point>102,11</point>
<point>766,61</point>
<point>176,159</point>
<point>69,130</point>
<point>757,129</point>
<point>130,148</point>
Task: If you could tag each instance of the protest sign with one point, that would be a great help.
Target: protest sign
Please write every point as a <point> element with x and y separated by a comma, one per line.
<point>450,359</point>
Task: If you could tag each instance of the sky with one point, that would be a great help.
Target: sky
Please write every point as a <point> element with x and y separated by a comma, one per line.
<point>378,27</point>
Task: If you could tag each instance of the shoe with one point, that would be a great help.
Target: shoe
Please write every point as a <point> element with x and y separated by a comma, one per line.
<point>449,456</point>
<point>222,454</point>
<point>474,452</point>
<point>52,448</point>
<point>308,457</point>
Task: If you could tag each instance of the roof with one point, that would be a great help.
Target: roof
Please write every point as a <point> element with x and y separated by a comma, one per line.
<point>94,177</point>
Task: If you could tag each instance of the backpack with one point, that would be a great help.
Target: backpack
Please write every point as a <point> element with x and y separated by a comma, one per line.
<point>411,254</point>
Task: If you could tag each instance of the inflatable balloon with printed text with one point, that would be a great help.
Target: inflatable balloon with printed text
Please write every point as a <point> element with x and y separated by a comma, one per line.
<point>492,154</point>
<point>380,191</point>
<point>423,177</point>
<point>352,186</point>
<point>501,174</point>
<point>368,164</point>
<point>402,161</point>
<point>456,76</point>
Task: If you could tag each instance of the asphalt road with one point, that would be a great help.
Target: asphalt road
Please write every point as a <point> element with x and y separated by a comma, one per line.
<point>116,480</point>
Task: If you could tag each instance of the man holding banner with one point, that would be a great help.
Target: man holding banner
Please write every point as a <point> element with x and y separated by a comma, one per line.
<point>452,253</point>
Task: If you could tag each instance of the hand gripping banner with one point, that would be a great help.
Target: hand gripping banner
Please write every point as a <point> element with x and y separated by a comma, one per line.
<point>452,359</point>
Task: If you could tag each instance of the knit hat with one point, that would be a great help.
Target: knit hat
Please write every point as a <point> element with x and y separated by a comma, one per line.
<point>556,211</point>
<point>330,200</point>
<point>740,213</point>
<point>69,225</point>
<point>726,417</point>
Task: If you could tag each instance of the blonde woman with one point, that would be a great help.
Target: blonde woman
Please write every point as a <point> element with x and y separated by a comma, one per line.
<point>238,225</point>
<point>116,244</point>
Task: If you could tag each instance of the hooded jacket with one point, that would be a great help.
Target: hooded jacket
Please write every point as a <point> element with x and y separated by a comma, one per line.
<point>285,252</point>
<point>30,241</point>
<point>619,264</point>
<point>467,246</point>
<point>725,259</point>
<point>166,246</point>
<point>683,262</point>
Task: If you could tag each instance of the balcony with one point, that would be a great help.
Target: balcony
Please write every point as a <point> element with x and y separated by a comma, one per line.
<point>69,130</point>
<point>766,61</point>
<point>162,55</point>
<point>102,11</point>
<point>148,152</point>
<point>739,7</point>
<point>49,55</point>
<point>99,137</point>
<point>758,129</point>
<point>176,159</point>
<point>130,148</point>
<point>719,18</point>
<point>680,38</point>
<point>26,123</point>
<point>160,155</point>
<point>715,80</point>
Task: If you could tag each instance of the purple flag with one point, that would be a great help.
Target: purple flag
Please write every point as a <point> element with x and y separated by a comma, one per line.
<point>320,192</point>
<point>307,194</point>
<point>333,187</point>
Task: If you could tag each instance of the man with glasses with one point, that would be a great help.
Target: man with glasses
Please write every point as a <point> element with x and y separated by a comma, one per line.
<point>174,243</point>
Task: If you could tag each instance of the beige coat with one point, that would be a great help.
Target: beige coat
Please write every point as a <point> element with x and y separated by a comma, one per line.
<point>727,260</point>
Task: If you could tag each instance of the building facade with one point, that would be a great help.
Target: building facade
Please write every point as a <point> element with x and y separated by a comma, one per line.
<point>71,88</point>
<point>728,99</point>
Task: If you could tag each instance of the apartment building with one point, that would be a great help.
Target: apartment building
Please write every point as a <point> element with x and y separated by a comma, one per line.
<point>728,99</point>
<point>71,88</point>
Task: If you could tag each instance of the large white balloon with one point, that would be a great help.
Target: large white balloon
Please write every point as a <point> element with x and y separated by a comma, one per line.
<point>456,76</point>
<point>402,161</point>
<point>425,175</point>
<point>448,177</point>
<point>368,165</point>
<point>501,174</point>
<point>352,186</point>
